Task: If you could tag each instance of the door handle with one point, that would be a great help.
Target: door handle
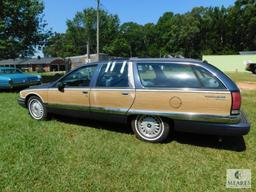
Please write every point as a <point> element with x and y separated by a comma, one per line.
<point>85,92</point>
<point>125,93</point>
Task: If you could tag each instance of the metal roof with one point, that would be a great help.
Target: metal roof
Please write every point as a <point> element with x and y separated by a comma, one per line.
<point>247,52</point>
<point>26,61</point>
<point>4,68</point>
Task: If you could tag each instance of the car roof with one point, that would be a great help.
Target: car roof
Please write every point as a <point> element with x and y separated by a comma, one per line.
<point>147,60</point>
<point>179,60</point>
<point>6,68</point>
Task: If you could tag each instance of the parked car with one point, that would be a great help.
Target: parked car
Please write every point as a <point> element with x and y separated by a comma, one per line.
<point>154,95</point>
<point>11,77</point>
<point>251,67</point>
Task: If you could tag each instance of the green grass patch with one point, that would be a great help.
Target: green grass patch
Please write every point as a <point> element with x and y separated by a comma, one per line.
<point>66,154</point>
<point>245,76</point>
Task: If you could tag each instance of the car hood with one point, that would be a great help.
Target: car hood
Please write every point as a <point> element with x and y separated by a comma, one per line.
<point>42,86</point>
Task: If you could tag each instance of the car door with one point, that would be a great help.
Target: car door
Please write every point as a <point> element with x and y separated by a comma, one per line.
<point>74,99</point>
<point>113,92</point>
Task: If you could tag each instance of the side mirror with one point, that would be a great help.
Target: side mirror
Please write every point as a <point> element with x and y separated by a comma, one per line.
<point>61,86</point>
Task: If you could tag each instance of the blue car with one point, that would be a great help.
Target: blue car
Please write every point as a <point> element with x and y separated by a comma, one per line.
<point>11,77</point>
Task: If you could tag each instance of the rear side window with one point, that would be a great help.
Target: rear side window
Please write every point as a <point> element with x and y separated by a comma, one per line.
<point>113,75</point>
<point>169,75</point>
<point>207,80</point>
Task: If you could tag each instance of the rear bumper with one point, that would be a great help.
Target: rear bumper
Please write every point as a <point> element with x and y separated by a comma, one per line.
<point>221,129</point>
<point>22,102</point>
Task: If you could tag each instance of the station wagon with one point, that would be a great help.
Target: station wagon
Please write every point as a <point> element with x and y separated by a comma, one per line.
<point>155,96</point>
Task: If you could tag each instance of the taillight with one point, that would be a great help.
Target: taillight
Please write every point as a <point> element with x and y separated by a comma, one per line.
<point>236,103</point>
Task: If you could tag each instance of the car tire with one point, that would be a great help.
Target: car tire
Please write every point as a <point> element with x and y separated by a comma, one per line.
<point>254,71</point>
<point>149,128</point>
<point>36,108</point>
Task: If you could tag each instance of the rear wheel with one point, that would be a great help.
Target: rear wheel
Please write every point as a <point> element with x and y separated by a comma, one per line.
<point>36,108</point>
<point>151,128</point>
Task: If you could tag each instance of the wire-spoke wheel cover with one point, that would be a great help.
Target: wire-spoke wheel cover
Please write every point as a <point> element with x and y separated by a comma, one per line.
<point>149,127</point>
<point>36,109</point>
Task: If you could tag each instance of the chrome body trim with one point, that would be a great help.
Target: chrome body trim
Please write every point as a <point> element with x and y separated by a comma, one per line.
<point>131,89</point>
<point>119,111</point>
<point>71,89</point>
<point>184,90</point>
<point>189,116</point>
<point>68,107</point>
<point>110,89</point>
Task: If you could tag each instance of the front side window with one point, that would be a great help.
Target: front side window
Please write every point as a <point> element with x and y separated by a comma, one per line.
<point>207,79</point>
<point>167,75</point>
<point>80,77</point>
<point>113,75</point>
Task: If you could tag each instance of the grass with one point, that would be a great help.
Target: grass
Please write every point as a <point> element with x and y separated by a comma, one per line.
<point>66,154</point>
<point>245,76</point>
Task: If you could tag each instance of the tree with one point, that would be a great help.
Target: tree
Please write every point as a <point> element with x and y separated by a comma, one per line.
<point>82,30</point>
<point>21,27</point>
<point>203,30</point>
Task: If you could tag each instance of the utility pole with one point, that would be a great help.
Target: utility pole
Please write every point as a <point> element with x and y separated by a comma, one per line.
<point>98,30</point>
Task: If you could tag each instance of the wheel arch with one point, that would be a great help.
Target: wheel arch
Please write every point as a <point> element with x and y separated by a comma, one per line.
<point>30,95</point>
<point>133,116</point>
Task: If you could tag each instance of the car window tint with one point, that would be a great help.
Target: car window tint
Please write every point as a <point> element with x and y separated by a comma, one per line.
<point>207,79</point>
<point>80,77</point>
<point>167,75</point>
<point>113,75</point>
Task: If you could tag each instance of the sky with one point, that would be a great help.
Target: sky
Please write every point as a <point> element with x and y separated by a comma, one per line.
<point>141,11</point>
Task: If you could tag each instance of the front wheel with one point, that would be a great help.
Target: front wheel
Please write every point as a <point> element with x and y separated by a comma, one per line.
<point>36,108</point>
<point>150,128</point>
<point>254,71</point>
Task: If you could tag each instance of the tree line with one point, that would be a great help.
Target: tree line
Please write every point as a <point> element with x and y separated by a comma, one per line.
<point>203,30</point>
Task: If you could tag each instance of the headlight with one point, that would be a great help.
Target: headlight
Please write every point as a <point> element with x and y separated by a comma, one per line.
<point>11,82</point>
<point>39,77</point>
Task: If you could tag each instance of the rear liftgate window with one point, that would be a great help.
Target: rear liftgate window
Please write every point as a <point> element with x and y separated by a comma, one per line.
<point>167,75</point>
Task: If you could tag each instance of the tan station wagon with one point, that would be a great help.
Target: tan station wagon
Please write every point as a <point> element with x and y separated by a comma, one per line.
<point>154,95</point>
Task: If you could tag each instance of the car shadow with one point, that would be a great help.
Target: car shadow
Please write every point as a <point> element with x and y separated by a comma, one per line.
<point>235,143</point>
<point>223,143</point>
<point>114,127</point>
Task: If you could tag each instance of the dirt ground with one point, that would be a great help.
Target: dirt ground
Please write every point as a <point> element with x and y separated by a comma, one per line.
<point>247,85</point>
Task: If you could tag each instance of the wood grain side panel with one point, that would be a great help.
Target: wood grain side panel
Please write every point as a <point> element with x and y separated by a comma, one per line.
<point>112,98</point>
<point>68,97</point>
<point>196,102</point>
<point>43,94</point>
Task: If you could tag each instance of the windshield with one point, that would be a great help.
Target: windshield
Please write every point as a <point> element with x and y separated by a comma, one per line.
<point>9,71</point>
